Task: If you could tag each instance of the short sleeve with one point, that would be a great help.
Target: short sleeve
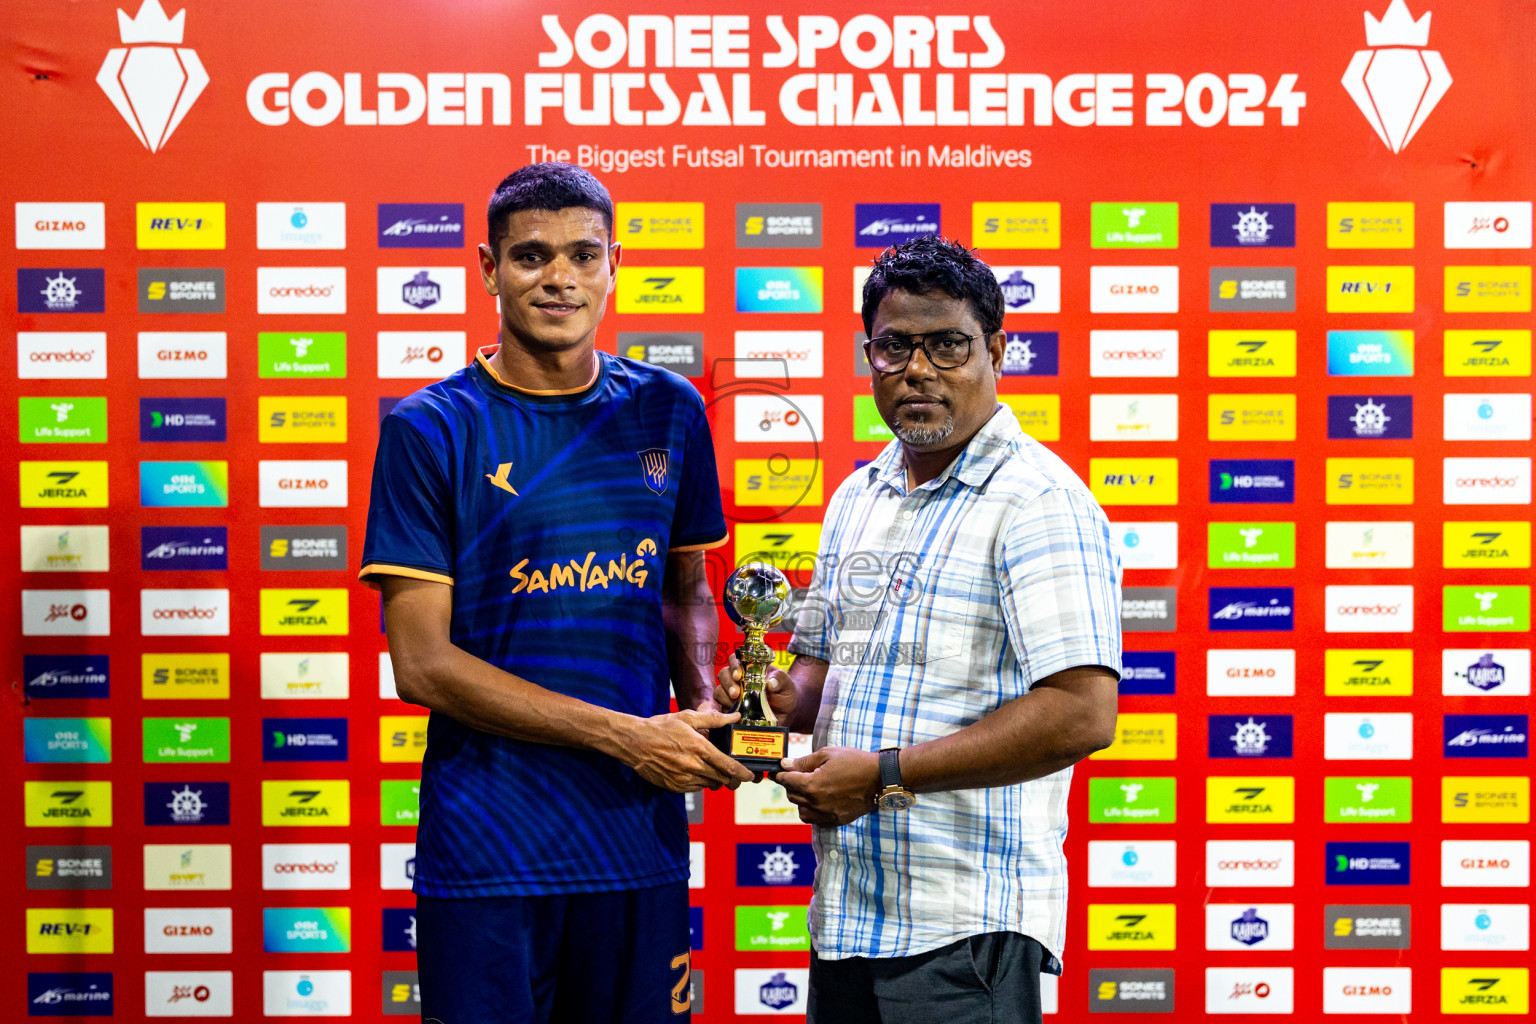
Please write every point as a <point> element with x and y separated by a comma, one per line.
<point>1059,580</point>
<point>410,510</point>
<point>698,523</point>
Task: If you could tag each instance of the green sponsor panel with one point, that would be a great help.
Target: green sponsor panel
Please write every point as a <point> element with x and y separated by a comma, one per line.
<point>1492,608</point>
<point>1251,545</point>
<point>186,740</point>
<point>304,354</point>
<point>1370,799</point>
<point>65,420</point>
<point>1142,801</point>
<point>1135,225</point>
<point>399,802</point>
<point>775,928</point>
<point>867,424</point>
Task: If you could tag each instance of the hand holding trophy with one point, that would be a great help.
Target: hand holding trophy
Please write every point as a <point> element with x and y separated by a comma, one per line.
<point>756,597</point>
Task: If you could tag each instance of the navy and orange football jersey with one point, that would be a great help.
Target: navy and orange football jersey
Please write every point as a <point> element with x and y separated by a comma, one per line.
<point>551,515</point>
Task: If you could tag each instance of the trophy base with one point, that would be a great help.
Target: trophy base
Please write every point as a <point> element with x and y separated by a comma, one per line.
<point>759,748</point>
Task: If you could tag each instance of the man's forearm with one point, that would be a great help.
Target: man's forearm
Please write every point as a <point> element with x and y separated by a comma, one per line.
<point>691,621</point>
<point>809,676</point>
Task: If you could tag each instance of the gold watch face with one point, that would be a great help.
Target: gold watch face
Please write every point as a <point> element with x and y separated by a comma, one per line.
<point>899,800</point>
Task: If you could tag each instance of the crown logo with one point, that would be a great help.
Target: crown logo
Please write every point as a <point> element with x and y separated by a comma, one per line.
<point>1395,28</point>
<point>1396,87</point>
<point>152,26</point>
<point>152,80</point>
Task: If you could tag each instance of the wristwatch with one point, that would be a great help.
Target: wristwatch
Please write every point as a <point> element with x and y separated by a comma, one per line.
<point>893,796</point>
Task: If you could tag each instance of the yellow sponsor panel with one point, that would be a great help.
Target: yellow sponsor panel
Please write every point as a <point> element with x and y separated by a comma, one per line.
<point>306,802</point>
<point>1488,353</point>
<point>1038,415</point>
<point>660,290</point>
<point>1143,737</point>
<point>1504,990</point>
<point>74,804</point>
<point>659,225</point>
<point>295,419</point>
<point>69,930</point>
<point>1241,799</point>
<point>1016,225</point>
<point>1496,799</point>
<point>63,484</point>
<point>1148,926</point>
<point>786,545</point>
<point>779,482</point>
<point>1369,482</point>
<point>185,676</point>
<point>1251,417</point>
<point>402,738</point>
<point>304,611</point>
<point>180,225</point>
<point>1370,289</point>
<point>1134,481</point>
<point>1251,354</point>
<point>1487,289</point>
<point>1370,225</point>
<point>1368,672</point>
<point>1505,544</point>
<point>187,866</point>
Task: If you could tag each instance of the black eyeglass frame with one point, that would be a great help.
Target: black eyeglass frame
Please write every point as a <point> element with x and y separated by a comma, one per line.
<point>920,341</point>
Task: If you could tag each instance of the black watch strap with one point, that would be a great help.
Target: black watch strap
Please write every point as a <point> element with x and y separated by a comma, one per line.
<point>890,767</point>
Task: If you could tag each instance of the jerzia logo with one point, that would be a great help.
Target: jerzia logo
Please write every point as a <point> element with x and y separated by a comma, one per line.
<point>152,86</point>
<point>1396,87</point>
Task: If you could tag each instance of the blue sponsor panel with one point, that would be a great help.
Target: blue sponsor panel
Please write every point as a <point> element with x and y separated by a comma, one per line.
<point>1241,609</point>
<point>66,676</point>
<point>695,927</point>
<point>1253,225</point>
<point>1487,736</point>
<point>1148,673</point>
<point>62,994</point>
<point>184,548</point>
<point>1253,481</point>
<point>1031,354</point>
<point>61,290</point>
<point>421,225</point>
<point>303,739</point>
<point>181,419</point>
<point>774,864</point>
<point>1367,864</point>
<point>186,803</point>
<point>1370,417</point>
<point>1249,736</point>
<point>399,930</point>
<point>877,225</point>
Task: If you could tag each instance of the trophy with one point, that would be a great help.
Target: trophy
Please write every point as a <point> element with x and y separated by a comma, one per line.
<point>755,598</point>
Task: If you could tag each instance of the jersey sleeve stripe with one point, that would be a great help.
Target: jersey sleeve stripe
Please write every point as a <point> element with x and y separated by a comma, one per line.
<point>382,569</point>
<point>707,546</point>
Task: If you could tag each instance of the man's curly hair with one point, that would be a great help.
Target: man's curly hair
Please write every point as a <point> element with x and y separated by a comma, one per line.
<point>931,263</point>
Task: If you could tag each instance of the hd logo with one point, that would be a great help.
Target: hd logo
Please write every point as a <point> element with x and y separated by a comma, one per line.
<point>1145,926</point>
<point>306,802</point>
<point>304,612</point>
<point>660,290</point>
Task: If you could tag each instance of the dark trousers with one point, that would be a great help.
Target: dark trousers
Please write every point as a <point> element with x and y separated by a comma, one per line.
<point>985,979</point>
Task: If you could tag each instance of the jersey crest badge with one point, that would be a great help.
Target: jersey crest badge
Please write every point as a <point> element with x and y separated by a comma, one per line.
<point>653,467</point>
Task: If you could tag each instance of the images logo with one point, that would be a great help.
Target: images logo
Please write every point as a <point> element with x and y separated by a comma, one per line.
<point>1253,225</point>
<point>152,85</point>
<point>1397,87</point>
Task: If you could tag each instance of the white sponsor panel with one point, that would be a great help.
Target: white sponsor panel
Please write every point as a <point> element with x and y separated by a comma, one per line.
<point>1045,288</point>
<point>1488,417</point>
<point>184,613</point>
<point>774,355</point>
<point>65,548</point>
<point>766,803</point>
<point>1269,863</point>
<point>1133,353</point>
<point>1488,481</point>
<point>1350,736</point>
<point>779,418</point>
<point>397,865</point>
<point>61,355</point>
<point>188,930</point>
<point>302,483</point>
<point>1355,990</point>
<point>1494,863</point>
<point>301,225</point>
<point>189,993</point>
<point>421,289</point>
<point>183,355</point>
<point>695,865</point>
<point>1133,417</point>
<point>1485,672</point>
<point>1369,545</point>
<point>1376,609</point>
<point>301,289</point>
<point>1139,864</point>
<point>1133,289</point>
<point>1250,926</point>
<point>1504,225</point>
<point>1265,672</point>
<point>772,992</point>
<point>306,866</point>
<point>286,676</point>
<point>1146,545</point>
<point>387,690</point>
<point>306,993</point>
<point>1050,994</point>
<point>421,355</point>
<point>66,613</point>
<point>61,225</point>
<point>1485,926</point>
<point>860,275</point>
<point>1250,990</point>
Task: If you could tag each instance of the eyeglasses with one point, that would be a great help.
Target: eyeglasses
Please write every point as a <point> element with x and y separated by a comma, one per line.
<point>946,350</point>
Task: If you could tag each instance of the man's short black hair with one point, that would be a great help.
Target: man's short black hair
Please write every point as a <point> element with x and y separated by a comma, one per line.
<point>550,186</point>
<point>930,263</point>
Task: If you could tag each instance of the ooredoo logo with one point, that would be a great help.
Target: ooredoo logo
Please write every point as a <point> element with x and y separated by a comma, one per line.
<point>1133,353</point>
<point>60,355</point>
<point>152,79</point>
<point>306,866</point>
<point>1369,609</point>
<point>301,289</point>
<point>184,612</point>
<point>1487,481</point>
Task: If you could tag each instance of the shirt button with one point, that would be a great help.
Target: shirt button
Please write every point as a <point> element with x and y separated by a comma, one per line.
<point>908,516</point>
<point>833,854</point>
<point>837,714</point>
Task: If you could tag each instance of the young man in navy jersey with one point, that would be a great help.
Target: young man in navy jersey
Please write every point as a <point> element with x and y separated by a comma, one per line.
<point>537,527</point>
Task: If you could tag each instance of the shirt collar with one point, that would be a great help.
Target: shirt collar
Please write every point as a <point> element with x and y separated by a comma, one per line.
<point>974,465</point>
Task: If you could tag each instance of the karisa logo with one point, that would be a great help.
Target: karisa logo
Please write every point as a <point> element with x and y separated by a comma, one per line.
<point>1396,87</point>
<point>152,85</point>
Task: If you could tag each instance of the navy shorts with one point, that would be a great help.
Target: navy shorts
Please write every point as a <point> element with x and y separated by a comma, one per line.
<point>599,957</point>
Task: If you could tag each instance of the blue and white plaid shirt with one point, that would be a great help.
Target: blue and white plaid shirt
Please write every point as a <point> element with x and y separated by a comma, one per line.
<point>934,608</point>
